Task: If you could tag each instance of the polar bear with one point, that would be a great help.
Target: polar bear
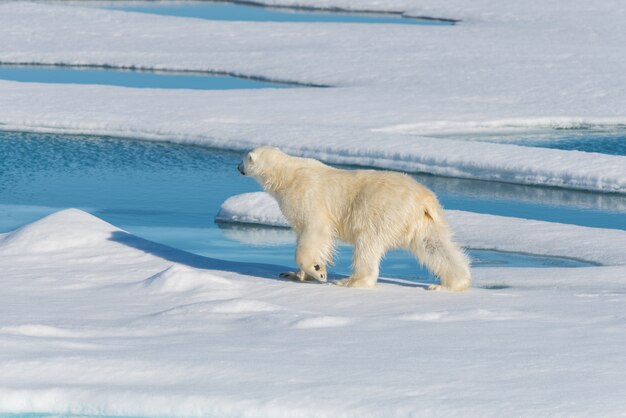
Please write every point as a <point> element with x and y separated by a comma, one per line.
<point>373,210</point>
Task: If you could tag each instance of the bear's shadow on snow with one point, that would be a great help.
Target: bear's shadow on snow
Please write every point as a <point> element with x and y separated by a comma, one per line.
<point>266,271</point>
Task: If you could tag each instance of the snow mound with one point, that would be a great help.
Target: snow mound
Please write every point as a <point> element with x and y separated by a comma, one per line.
<point>257,235</point>
<point>252,208</point>
<point>322,322</point>
<point>244,306</point>
<point>221,306</point>
<point>38,330</point>
<point>179,278</point>
<point>59,232</point>
<point>483,315</point>
<point>598,245</point>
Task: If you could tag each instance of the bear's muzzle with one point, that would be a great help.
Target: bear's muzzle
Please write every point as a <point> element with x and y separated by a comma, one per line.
<point>241,169</point>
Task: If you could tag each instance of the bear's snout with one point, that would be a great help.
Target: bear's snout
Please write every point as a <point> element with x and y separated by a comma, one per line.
<point>241,169</point>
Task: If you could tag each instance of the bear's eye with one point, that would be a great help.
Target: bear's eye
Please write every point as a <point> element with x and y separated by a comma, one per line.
<point>316,267</point>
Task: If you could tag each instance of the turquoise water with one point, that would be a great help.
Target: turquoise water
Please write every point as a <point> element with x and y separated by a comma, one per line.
<point>171,193</point>
<point>244,12</point>
<point>48,415</point>
<point>126,78</point>
<point>604,140</point>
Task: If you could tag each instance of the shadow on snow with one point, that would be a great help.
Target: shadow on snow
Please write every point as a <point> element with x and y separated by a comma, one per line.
<point>266,271</point>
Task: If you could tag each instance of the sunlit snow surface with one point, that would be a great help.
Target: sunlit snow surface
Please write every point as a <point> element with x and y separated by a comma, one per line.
<point>96,321</point>
<point>396,86</point>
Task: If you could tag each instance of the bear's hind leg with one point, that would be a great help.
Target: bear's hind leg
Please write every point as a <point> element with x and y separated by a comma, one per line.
<point>442,256</point>
<point>365,264</point>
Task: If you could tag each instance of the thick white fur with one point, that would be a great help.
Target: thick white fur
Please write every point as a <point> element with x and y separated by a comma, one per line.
<point>373,210</point>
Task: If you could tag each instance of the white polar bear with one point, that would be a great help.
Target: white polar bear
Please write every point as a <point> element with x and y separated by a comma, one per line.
<point>373,210</point>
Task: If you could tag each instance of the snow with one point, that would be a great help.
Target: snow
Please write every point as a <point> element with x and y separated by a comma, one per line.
<point>96,321</point>
<point>398,90</point>
<point>252,208</point>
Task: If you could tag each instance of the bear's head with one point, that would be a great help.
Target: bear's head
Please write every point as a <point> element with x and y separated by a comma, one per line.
<point>256,163</point>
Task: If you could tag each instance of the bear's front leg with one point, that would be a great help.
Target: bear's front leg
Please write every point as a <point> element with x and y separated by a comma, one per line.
<point>295,276</point>
<point>302,276</point>
<point>313,251</point>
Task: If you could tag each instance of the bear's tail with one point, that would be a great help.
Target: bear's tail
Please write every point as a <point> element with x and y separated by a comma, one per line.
<point>434,247</point>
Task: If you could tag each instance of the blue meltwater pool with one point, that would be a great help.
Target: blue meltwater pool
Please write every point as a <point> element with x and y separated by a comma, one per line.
<point>610,139</point>
<point>251,12</point>
<point>196,80</point>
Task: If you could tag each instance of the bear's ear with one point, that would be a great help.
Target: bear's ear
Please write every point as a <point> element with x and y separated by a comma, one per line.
<point>251,157</point>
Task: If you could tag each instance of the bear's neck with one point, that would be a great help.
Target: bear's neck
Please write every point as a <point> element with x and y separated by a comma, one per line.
<point>280,178</point>
<point>275,183</point>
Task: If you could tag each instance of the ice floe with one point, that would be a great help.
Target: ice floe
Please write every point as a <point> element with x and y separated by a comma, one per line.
<point>152,337</point>
<point>504,67</point>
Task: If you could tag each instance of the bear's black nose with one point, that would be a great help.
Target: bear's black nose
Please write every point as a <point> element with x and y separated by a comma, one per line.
<point>240,168</point>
